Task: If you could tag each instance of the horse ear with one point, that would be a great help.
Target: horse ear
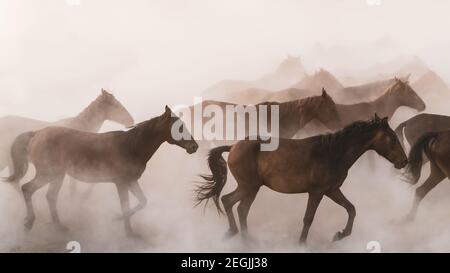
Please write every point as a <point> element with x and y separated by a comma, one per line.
<point>376,117</point>
<point>167,110</point>
<point>385,121</point>
<point>104,91</point>
<point>324,93</point>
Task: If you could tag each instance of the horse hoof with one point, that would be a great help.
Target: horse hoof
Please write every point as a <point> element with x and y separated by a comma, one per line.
<point>229,234</point>
<point>28,225</point>
<point>338,236</point>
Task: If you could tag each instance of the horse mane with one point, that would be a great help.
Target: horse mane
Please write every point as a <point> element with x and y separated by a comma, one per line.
<point>393,87</point>
<point>332,143</point>
<point>139,131</point>
<point>296,106</point>
<point>389,90</point>
<point>89,110</point>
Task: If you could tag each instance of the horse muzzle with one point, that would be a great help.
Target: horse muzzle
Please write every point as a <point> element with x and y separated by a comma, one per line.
<point>192,148</point>
<point>401,164</point>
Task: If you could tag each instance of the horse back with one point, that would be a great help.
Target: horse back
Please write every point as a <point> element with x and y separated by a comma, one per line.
<point>292,168</point>
<point>425,123</point>
<point>60,144</point>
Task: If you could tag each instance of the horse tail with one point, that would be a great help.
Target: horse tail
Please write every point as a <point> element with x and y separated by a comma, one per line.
<point>214,183</point>
<point>419,148</point>
<point>19,155</point>
<point>399,133</point>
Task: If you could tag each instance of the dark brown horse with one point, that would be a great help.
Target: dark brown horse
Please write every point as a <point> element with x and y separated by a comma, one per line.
<point>317,165</point>
<point>436,147</point>
<point>419,125</point>
<point>118,157</point>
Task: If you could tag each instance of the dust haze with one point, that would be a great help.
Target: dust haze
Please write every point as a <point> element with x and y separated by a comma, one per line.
<point>57,55</point>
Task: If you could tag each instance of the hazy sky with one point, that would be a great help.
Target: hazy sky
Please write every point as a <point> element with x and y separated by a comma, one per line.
<point>154,52</point>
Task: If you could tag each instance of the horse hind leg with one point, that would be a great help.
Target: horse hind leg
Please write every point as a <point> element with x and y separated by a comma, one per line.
<point>28,189</point>
<point>313,203</point>
<point>228,201</point>
<point>243,209</point>
<point>436,176</point>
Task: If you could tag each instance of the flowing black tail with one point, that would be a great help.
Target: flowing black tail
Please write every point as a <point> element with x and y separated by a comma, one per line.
<point>399,133</point>
<point>214,183</point>
<point>19,155</point>
<point>419,148</point>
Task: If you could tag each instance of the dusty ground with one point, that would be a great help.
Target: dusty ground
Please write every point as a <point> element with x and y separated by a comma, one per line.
<point>170,223</point>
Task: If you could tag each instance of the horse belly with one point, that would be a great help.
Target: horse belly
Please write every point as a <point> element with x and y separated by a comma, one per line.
<point>282,172</point>
<point>93,172</point>
<point>286,184</point>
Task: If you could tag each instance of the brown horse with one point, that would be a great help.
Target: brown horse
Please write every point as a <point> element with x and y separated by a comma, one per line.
<point>317,165</point>
<point>399,94</point>
<point>293,115</point>
<point>105,107</point>
<point>118,157</point>
<point>421,124</point>
<point>436,147</point>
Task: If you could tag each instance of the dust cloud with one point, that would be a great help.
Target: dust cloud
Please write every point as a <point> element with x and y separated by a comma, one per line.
<point>57,55</point>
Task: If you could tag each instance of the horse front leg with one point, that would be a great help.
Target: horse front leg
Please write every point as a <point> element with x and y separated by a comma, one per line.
<point>338,197</point>
<point>313,203</point>
<point>52,197</point>
<point>122,189</point>
<point>136,190</point>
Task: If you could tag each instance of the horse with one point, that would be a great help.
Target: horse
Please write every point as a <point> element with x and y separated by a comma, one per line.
<point>399,94</point>
<point>118,157</point>
<point>293,115</point>
<point>104,107</point>
<point>366,91</point>
<point>436,147</point>
<point>316,165</point>
<point>415,127</point>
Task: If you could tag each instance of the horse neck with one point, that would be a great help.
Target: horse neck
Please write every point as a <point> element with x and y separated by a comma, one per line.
<point>146,140</point>
<point>90,119</point>
<point>297,114</point>
<point>354,147</point>
<point>387,104</point>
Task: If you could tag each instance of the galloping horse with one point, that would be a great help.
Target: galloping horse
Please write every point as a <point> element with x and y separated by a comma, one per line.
<point>118,157</point>
<point>105,107</point>
<point>436,147</point>
<point>317,165</point>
